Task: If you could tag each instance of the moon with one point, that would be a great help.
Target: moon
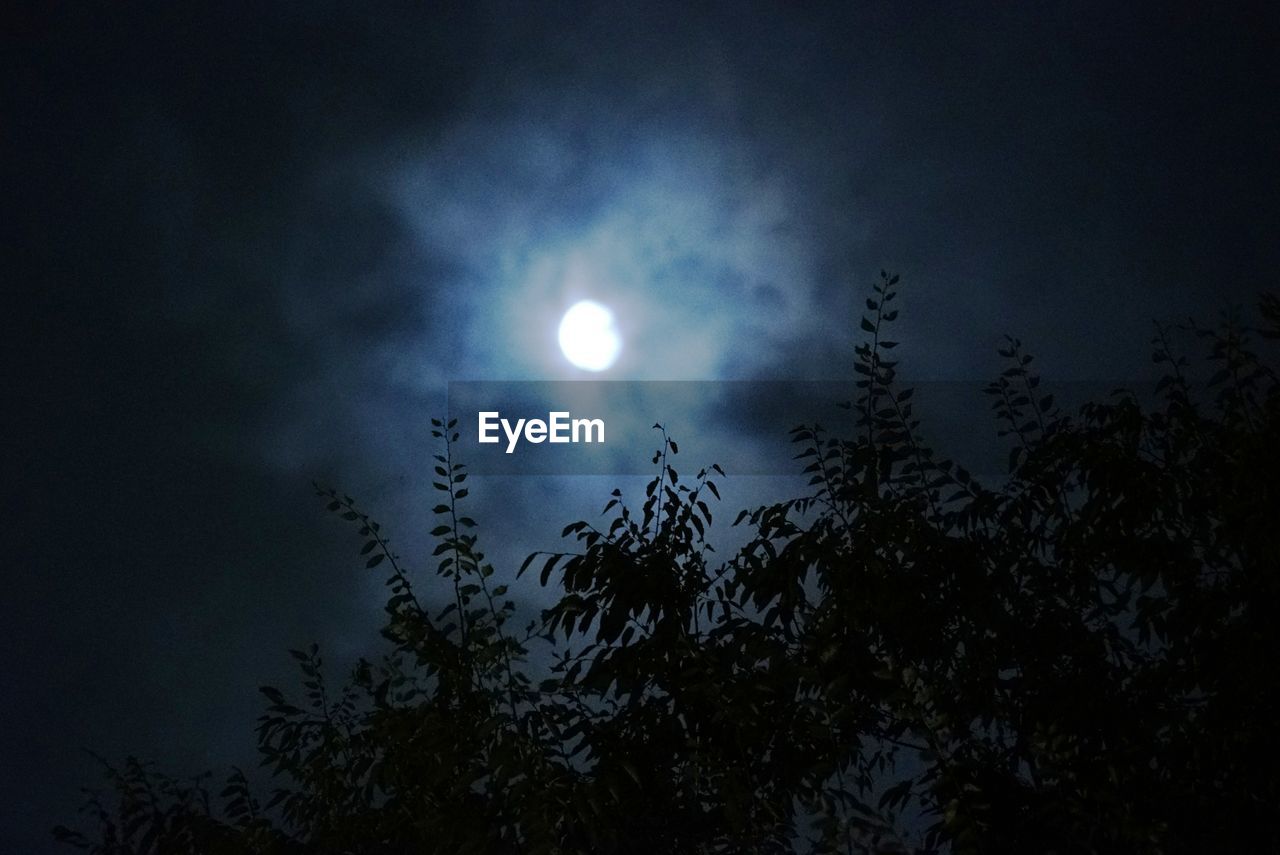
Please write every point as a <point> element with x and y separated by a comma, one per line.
<point>588,337</point>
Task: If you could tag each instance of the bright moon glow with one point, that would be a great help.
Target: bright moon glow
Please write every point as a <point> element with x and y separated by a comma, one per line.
<point>588,337</point>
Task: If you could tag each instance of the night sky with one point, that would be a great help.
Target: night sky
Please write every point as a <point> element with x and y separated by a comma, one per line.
<point>248,246</point>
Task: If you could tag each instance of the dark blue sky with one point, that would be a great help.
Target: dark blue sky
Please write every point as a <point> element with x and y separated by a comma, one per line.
<point>248,244</point>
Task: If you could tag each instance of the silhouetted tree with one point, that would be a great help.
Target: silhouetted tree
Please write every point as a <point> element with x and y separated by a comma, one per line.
<point>904,659</point>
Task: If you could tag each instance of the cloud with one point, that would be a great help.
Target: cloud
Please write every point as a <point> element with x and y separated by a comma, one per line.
<point>700,252</point>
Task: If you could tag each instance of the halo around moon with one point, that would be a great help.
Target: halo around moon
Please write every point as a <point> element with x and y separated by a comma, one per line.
<point>588,336</point>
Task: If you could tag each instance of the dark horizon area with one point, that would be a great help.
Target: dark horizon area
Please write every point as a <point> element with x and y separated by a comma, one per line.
<point>250,245</point>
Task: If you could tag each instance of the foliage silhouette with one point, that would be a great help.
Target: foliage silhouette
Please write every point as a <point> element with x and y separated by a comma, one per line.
<point>903,659</point>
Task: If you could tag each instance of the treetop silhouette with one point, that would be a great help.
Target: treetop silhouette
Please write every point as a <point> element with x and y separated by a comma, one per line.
<point>902,659</point>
